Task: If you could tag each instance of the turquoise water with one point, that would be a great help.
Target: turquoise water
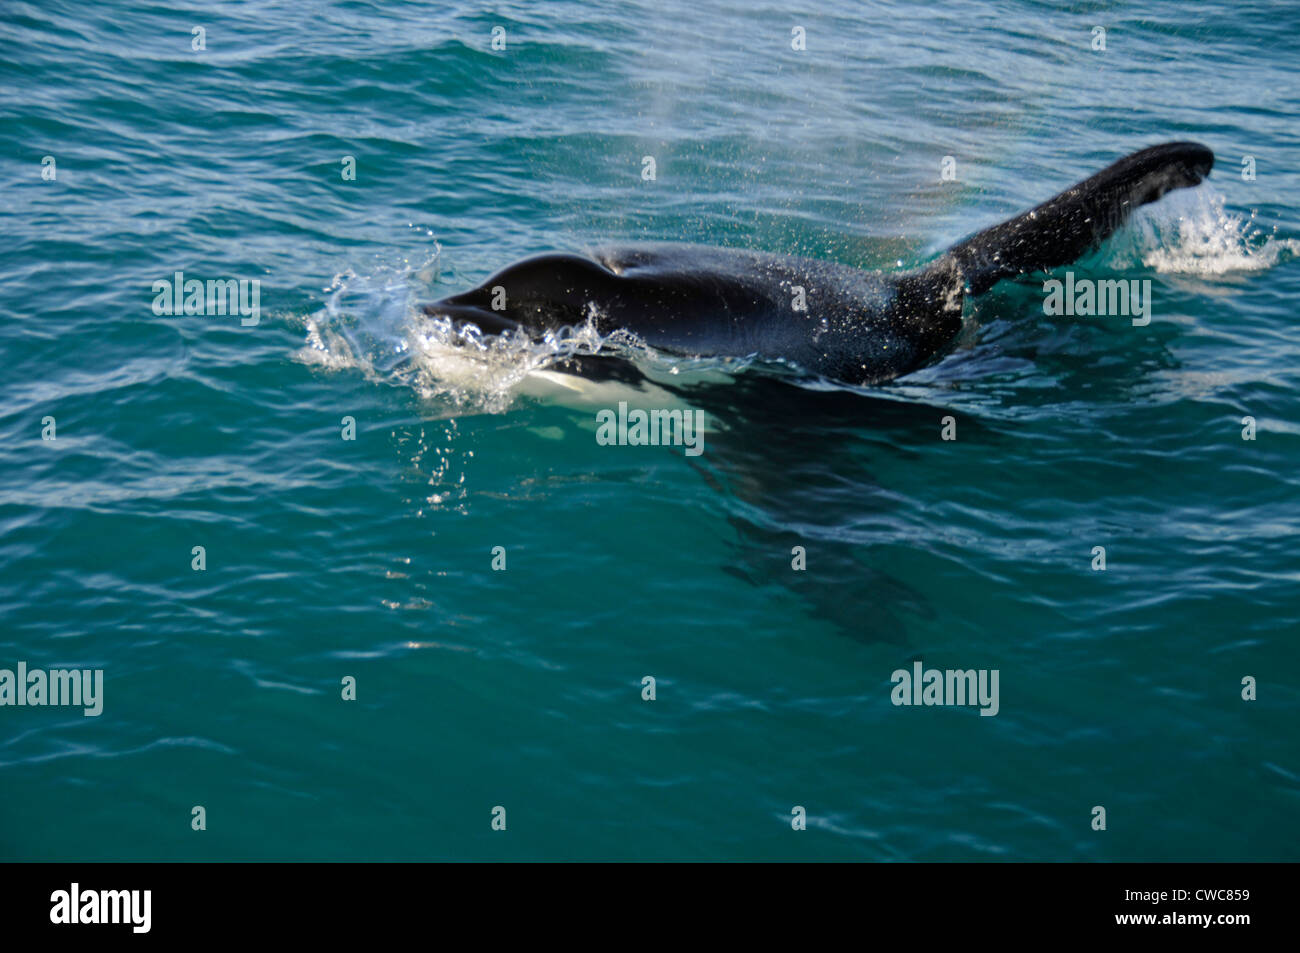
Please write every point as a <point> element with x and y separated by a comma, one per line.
<point>372,558</point>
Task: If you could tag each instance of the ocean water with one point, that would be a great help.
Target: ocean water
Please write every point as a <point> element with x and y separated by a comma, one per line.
<point>372,558</point>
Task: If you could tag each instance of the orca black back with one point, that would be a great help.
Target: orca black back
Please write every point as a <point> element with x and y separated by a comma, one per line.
<point>823,318</point>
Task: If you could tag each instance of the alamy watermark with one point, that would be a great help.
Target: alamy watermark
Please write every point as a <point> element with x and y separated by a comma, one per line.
<point>651,428</point>
<point>81,688</point>
<point>1107,297</point>
<point>74,906</point>
<point>216,296</point>
<point>932,686</point>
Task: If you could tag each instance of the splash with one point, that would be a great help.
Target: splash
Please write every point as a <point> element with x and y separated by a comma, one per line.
<point>360,325</point>
<point>373,323</point>
<point>1189,232</point>
<point>474,371</point>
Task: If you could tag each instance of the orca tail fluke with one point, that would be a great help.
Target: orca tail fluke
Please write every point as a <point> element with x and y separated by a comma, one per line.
<point>1065,227</point>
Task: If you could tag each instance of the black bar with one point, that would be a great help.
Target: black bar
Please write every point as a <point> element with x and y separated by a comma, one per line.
<point>330,902</point>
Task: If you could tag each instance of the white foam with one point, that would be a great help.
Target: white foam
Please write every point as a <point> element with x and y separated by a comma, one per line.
<point>1189,232</point>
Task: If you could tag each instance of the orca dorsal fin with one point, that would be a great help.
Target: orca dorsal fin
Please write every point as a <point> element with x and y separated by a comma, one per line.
<point>1064,227</point>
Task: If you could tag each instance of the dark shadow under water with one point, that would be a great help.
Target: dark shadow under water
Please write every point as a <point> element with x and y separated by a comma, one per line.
<point>795,468</point>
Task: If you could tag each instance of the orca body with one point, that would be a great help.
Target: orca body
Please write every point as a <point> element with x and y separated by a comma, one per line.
<point>827,319</point>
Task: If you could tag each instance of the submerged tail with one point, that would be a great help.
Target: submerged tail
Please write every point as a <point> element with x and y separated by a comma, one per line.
<point>1061,229</point>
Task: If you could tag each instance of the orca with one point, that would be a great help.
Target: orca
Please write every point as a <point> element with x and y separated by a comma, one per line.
<point>826,319</point>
